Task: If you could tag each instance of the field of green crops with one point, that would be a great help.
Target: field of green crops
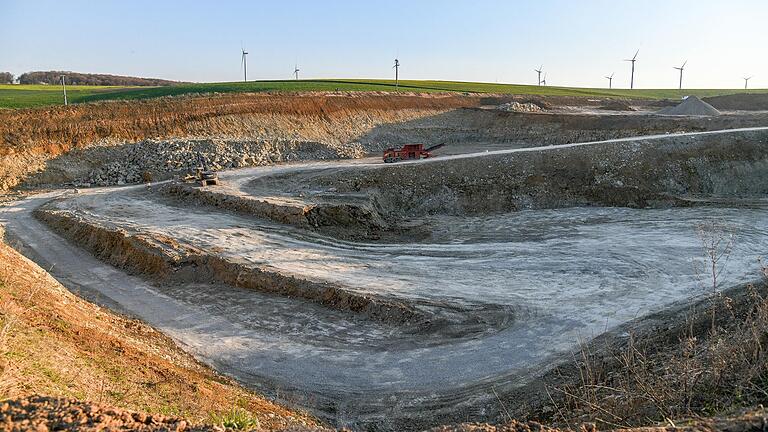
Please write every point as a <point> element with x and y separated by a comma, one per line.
<point>27,96</point>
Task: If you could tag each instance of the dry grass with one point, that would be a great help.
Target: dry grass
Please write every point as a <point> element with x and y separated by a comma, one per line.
<point>716,367</point>
<point>54,343</point>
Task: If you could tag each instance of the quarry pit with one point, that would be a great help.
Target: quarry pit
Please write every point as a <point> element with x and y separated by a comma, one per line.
<point>393,297</point>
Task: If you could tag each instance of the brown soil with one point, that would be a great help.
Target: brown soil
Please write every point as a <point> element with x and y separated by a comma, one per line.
<point>41,413</point>
<point>740,102</point>
<point>55,343</point>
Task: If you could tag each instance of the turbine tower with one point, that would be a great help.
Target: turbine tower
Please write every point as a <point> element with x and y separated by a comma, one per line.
<point>64,88</point>
<point>539,70</point>
<point>397,71</point>
<point>610,81</point>
<point>244,63</point>
<point>296,71</point>
<point>681,68</point>
<point>746,81</point>
<point>632,77</point>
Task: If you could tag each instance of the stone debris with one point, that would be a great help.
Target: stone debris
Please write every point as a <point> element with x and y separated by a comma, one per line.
<point>152,160</point>
<point>527,107</point>
<point>44,413</point>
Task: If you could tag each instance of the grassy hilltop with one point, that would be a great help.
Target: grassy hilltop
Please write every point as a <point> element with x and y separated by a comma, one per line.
<point>28,96</point>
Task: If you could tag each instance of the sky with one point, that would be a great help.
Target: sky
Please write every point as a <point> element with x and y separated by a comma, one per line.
<point>578,42</point>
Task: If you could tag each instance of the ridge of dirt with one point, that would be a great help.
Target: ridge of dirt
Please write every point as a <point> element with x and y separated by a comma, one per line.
<point>166,259</point>
<point>743,102</point>
<point>342,219</point>
<point>55,343</point>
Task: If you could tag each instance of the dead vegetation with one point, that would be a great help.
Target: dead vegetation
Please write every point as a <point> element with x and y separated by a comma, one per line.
<point>54,343</point>
<point>718,365</point>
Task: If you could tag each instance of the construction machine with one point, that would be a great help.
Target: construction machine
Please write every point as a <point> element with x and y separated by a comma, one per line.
<point>409,152</point>
<point>204,175</point>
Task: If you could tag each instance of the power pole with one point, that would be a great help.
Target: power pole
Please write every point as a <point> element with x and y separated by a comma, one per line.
<point>64,88</point>
<point>397,69</point>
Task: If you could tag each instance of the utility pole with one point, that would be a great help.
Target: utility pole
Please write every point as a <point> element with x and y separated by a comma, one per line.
<point>397,69</point>
<point>64,88</point>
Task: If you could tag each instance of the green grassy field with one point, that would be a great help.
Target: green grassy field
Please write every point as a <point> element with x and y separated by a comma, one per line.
<point>27,96</point>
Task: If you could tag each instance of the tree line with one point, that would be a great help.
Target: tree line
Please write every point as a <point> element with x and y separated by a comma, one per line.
<point>76,78</point>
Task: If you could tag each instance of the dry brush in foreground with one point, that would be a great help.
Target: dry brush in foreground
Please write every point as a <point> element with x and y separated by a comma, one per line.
<point>56,344</point>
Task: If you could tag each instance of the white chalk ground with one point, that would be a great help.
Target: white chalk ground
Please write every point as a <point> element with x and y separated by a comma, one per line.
<point>569,274</point>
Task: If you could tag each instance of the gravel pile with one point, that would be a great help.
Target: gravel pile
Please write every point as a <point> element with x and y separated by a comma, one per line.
<point>154,160</point>
<point>691,106</point>
<point>42,413</point>
<point>520,107</point>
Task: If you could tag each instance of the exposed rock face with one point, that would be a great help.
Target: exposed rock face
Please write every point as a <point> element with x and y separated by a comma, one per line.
<point>659,172</point>
<point>30,139</point>
<point>153,160</point>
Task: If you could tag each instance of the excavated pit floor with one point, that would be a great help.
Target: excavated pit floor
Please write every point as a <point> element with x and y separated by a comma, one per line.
<point>557,276</point>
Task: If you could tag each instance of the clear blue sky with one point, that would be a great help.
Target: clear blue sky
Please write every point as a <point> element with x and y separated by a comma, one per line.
<point>577,41</point>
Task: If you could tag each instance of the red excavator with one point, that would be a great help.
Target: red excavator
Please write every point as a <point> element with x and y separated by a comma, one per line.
<point>408,152</point>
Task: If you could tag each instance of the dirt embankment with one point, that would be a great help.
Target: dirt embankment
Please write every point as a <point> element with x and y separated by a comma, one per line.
<point>54,343</point>
<point>345,220</point>
<point>32,137</point>
<point>635,173</point>
<point>479,129</point>
<point>165,259</point>
<point>127,142</point>
<point>740,102</point>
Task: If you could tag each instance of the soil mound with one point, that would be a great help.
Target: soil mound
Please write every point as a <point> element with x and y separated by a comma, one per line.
<point>740,102</point>
<point>691,106</point>
<point>616,105</point>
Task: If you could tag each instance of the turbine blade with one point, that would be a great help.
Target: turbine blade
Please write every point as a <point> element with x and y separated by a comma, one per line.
<point>636,53</point>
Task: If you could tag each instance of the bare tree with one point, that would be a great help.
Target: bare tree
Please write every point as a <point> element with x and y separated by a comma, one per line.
<point>6,78</point>
<point>717,240</point>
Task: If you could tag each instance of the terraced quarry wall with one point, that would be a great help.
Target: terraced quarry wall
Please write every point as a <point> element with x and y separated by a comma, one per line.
<point>30,138</point>
<point>651,172</point>
<point>129,142</point>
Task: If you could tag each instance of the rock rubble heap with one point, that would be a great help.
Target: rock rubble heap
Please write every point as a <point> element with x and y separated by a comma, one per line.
<point>153,160</point>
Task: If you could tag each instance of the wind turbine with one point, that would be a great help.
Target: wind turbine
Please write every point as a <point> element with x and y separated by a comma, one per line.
<point>296,71</point>
<point>244,63</point>
<point>544,81</point>
<point>539,70</point>
<point>632,78</point>
<point>397,70</point>
<point>64,88</point>
<point>610,81</point>
<point>746,81</point>
<point>681,68</point>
